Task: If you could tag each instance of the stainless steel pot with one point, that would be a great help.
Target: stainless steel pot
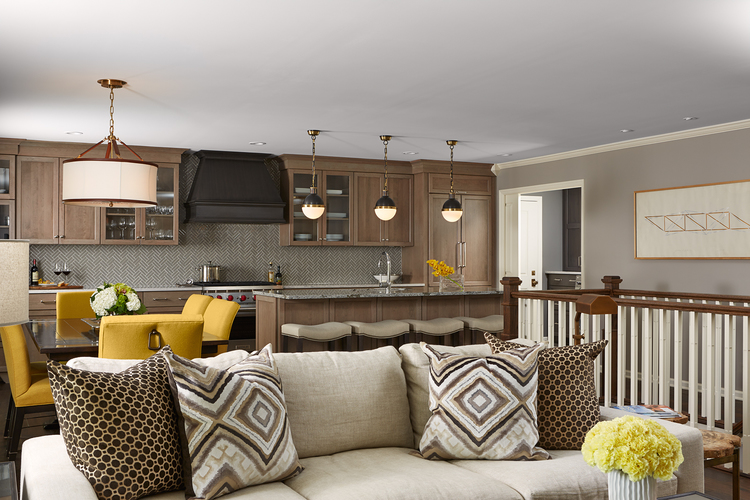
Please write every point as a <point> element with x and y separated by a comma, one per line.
<point>209,272</point>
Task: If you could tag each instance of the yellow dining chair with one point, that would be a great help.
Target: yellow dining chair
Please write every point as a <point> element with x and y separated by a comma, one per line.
<point>74,305</point>
<point>29,385</point>
<point>196,304</point>
<point>140,336</point>
<point>218,319</point>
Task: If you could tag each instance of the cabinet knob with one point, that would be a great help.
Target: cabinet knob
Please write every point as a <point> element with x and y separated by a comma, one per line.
<point>62,236</point>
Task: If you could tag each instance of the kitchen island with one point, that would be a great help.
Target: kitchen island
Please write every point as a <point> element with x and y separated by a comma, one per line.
<point>315,306</point>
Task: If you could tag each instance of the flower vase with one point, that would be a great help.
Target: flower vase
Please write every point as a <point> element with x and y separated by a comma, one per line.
<point>622,488</point>
<point>452,283</point>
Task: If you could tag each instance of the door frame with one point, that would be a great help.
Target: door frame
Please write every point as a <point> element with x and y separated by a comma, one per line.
<point>507,225</point>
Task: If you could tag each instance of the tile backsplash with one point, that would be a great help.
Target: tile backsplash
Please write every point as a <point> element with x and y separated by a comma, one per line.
<point>242,250</point>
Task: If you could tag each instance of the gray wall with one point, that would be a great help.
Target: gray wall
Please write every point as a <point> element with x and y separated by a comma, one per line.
<point>610,178</point>
<point>242,250</point>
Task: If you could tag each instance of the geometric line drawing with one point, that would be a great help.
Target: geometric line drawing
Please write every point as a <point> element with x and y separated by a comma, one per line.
<point>698,221</point>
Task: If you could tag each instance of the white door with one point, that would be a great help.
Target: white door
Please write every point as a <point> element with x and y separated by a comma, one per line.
<point>530,242</point>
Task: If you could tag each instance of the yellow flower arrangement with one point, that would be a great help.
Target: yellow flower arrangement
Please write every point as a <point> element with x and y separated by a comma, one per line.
<point>638,447</point>
<point>444,270</point>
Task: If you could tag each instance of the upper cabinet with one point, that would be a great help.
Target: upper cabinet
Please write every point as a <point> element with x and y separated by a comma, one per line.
<point>146,226</point>
<point>7,177</point>
<point>371,231</point>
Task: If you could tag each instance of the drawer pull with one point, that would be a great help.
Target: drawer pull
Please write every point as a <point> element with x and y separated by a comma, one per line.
<point>182,298</point>
<point>48,301</point>
<point>557,279</point>
<point>159,298</point>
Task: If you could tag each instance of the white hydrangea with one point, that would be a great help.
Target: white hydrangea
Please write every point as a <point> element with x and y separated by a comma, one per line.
<point>133,303</point>
<point>104,300</point>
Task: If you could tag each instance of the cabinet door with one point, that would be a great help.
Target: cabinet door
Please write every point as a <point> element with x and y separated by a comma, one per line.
<point>338,202</point>
<point>302,231</point>
<point>7,177</point>
<point>367,226</point>
<point>443,237</point>
<point>399,231</point>
<point>78,225</point>
<point>476,226</point>
<point>159,225</point>
<point>572,229</point>
<point>7,220</point>
<point>37,199</point>
<point>120,226</point>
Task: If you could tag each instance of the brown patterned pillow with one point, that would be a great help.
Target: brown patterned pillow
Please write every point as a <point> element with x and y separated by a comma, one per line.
<point>567,403</point>
<point>235,429</point>
<point>120,429</point>
<point>482,407</point>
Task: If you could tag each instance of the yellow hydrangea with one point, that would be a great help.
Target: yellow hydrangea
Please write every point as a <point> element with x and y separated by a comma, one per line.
<point>636,446</point>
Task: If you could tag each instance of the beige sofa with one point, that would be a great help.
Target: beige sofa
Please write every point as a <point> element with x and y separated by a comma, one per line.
<point>356,420</point>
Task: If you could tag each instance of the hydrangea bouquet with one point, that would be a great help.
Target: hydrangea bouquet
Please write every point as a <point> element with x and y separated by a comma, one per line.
<point>636,446</point>
<point>117,299</point>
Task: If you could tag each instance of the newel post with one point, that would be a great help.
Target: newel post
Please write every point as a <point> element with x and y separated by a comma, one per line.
<point>612,286</point>
<point>510,307</point>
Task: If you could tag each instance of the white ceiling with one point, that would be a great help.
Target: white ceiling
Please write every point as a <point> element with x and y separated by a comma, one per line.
<point>526,78</point>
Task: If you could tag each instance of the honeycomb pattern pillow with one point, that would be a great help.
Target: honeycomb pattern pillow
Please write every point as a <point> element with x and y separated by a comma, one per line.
<point>482,407</point>
<point>235,430</point>
<point>567,403</point>
<point>120,429</point>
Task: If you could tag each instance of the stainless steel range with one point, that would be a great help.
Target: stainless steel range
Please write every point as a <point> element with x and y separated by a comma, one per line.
<point>242,335</point>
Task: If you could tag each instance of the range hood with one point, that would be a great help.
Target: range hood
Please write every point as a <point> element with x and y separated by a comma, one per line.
<point>234,188</point>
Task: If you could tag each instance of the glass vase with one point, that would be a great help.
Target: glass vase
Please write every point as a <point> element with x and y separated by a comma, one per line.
<point>452,283</point>
<point>622,488</point>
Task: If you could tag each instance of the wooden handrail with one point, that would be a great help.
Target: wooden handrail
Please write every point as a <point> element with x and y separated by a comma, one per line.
<point>685,295</point>
<point>685,306</point>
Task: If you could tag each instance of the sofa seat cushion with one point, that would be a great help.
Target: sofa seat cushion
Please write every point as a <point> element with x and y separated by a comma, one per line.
<point>392,473</point>
<point>339,401</point>
<point>566,476</point>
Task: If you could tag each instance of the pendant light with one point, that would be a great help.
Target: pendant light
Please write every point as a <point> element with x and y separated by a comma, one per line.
<point>313,206</point>
<point>452,210</point>
<point>111,181</point>
<point>385,207</point>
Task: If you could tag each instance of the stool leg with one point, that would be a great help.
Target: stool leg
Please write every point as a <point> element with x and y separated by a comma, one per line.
<point>349,343</point>
<point>736,474</point>
<point>331,346</point>
<point>360,343</point>
<point>299,345</point>
<point>284,343</point>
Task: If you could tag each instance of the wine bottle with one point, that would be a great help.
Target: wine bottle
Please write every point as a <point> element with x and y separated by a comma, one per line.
<point>278,274</point>
<point>271,273</point>
<point>34,274</point>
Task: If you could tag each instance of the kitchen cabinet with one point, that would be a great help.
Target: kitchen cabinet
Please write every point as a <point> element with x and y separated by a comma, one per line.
<point>572,229</point>
<point>7,177</point>
<point>42,217</point>
<point>166,302</point>
<point>146,226</point>
<point>334,226</point>
<point>371,231</point>
<point>7,219</point>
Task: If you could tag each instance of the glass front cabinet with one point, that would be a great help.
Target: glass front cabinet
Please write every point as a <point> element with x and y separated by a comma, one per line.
<point>334,226</point>
<point>146,226</point>
<point>7,177</point>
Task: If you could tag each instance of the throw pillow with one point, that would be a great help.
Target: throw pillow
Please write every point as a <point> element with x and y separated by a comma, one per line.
<point>235,430</point>
<point>120,429</point>
<point>482,407</point>
<point>568,405</point>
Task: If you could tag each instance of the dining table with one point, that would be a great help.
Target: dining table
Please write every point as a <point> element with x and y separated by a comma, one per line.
<point>64,339</point>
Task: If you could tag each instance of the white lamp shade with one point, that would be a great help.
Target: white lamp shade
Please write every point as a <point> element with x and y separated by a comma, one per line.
<point>109,182</point>
<point>312,211</point>
<point>14,282</point>
<point>452,215</point>
<point>385,213</point>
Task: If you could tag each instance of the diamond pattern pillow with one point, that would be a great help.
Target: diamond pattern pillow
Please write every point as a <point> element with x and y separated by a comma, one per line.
<point>235,429</point>
<point>482,407</point>
<point>120,429</point>
<point>568,405</point>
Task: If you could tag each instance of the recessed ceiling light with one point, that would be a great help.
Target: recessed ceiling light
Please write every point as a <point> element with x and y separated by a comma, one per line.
<point>257,143</point>
<point>74,132</point>
<point>410,152</point>
<point>626,130</point>
<point>506,154</point>
<point>688,118</point>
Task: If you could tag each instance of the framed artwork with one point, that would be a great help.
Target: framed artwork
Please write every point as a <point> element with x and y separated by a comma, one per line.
<point>709,221</point>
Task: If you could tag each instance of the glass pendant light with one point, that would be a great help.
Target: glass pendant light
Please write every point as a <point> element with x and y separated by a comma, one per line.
<point>112,181</point>
<point>452,210</point>
<point>385,207</point>
<point>313,206</point>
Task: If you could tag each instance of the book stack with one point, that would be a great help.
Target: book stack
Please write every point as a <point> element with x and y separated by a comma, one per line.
<point>653,411</point>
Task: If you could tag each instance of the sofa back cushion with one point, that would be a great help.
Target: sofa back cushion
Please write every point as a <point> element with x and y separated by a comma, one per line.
<point>339,401</point>
<point>416,367</point>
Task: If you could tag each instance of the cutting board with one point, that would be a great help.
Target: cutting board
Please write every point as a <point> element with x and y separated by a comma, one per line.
<point>55,287</point>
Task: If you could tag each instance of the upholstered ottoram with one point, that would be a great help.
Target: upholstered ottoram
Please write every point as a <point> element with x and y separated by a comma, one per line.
<point>120,429</point>
<point>234,425</point>
<point>483,407</point>
<point>567,403</point>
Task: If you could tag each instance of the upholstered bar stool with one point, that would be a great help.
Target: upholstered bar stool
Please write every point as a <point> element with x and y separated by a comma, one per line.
<point>389,330</point>
<point>324,332</point>
<point>477,326</point>
<point>438,327</point>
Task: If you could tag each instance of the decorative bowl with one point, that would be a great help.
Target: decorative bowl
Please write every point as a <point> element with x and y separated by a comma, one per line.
<point>383,278</point>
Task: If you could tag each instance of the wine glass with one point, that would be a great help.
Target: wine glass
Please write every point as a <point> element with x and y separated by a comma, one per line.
<point>58,269</point>
<point>66,270</point>
<point>122,225</point>
<point>112,224</point>
<point>150,224</point>
<point>131,226</point>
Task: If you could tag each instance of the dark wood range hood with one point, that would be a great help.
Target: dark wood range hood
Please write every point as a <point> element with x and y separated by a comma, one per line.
<point>234,188</point>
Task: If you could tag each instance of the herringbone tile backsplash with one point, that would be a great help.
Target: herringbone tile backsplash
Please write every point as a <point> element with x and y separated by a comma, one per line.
<point>242,250</point>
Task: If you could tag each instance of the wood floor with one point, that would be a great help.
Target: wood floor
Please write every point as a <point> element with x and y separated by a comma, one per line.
<point>718,483</point>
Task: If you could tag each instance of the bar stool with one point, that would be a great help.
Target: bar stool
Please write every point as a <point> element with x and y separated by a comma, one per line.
<point>438,327</point>
<point>473,326</point>
<point>382,330</point>
<point>324,332</point>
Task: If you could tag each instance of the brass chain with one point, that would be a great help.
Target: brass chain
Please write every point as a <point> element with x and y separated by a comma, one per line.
<point>385,184</point>
<point>451,168</point>
<point>111,113</point>
<point>313,161</point>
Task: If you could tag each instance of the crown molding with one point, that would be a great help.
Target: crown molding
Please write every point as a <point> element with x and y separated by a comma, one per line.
<point>634,143</point>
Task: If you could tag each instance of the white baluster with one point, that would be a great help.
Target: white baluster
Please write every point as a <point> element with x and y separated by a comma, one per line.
<point>621,346</point>
<point>693,366</point>
<point>677,373</point>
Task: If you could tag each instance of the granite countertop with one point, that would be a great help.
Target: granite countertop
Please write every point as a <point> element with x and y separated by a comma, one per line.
<point>353,293</point>
<point>92,290</point>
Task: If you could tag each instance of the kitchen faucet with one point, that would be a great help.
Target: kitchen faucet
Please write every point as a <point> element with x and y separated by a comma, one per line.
<point>388,270</point>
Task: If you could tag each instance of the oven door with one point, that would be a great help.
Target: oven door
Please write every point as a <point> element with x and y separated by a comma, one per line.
<point>242,335</point>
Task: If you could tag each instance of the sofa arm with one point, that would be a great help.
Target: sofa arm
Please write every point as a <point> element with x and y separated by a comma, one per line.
<point>690,473</point>
<point>47,472</point>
